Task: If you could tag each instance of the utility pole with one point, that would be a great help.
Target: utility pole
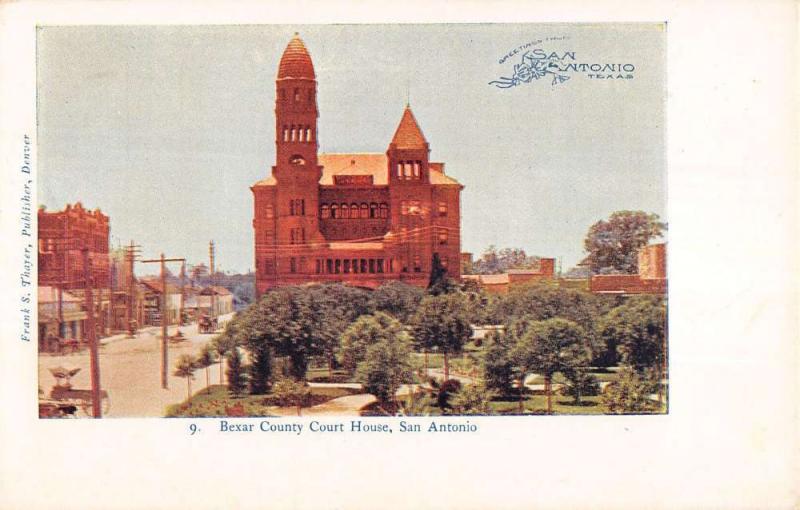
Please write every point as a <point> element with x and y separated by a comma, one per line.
<point>131,252</point>
<point>211,269</point>
<point>164,338</point>
<point>183,292</point>
<point>91,334</point>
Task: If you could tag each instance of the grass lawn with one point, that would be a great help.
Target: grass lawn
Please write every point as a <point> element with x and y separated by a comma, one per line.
<point>322,375</point>
<point>218,402</point>
<point>537,404</point>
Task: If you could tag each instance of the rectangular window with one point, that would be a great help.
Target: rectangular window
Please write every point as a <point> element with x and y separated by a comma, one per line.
<point>363,265</point>
<point>380,265</point>
<point>371,265</point>
<point>269,211</point>
<point>292,265</point>
<point>329,266</point>
<point>355,265</point>
<point>338,267</point>
<point>417,264</point>
<point>443,237</point>
<point>319,266</point>
<point>346,266</point>
<point>442,208</point>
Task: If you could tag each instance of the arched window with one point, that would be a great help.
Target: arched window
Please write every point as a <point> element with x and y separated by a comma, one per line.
<point>269,212</point>
<point>297,159</point>
<point>326,212</point>
<point>354,211</point>
<point>297,94</point>
<point>334,211</point>
<point>300,133</point>
<point>285,134</point>
<point>407,169</point>
<point>308,134</point>
<point>384,211</point>
<point>373,210</point>
<point>416,169</point>
<point>400,170</point>
<point>364,211</point>
<point>345,211</point>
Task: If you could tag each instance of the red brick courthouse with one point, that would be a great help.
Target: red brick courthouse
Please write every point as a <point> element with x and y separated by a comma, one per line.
<point>362,218</point>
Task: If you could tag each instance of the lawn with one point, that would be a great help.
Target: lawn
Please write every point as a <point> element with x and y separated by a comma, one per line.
<point>218,402</point>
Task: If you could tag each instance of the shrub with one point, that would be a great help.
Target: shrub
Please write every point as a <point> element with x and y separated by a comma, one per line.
<point>446,390</point>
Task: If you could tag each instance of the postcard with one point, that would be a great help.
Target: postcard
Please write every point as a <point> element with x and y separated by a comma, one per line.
<point>304,243</point>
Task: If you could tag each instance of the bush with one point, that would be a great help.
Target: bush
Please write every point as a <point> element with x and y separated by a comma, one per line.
<point>630,393</point>
<point>288,392</point>
<point>583,385</point>
<point>446,390</point>
<point>473,399</point>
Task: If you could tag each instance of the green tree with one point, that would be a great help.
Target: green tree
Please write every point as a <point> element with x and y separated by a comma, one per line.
<point>637,330</point>
<point>494,261</point>
<point>613,245</point>
<point>237,376</point>
<point>260,369</point>
<point>441,323</point>
<point>386,365</point>
<point>292,393</point>
<point>550,346</point>
<point>439,283</point>
<point>473,399</point>
<point>368,330</point>
<point>397,299</point>
<point>207,357</point>
<point>185,367</point>
<point>498,367</point>
<point>630,392</point>
<point>224,343</point>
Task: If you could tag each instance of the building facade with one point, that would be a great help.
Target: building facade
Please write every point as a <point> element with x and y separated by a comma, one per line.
<point>650,279</point>
<point>63,235</point>
<point>361,218</point>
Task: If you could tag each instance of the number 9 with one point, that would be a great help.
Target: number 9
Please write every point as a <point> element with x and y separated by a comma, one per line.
<point>193,428</point>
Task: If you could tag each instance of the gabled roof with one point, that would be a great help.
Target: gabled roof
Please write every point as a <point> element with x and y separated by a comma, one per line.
<point>296,62</point>
<point>408,134</point>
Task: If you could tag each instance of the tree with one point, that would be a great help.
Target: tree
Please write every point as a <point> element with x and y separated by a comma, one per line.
<point>636,330</point>
<point>260,370</point>
<point>185,367</point>
<point>368,330</point>
<point>207,357</point>
<point>550,346</point>
<point>441,323</point>
<point>397,299</point>
<point>237,378</point>
<point>498,368</point>
<point>495,262</point>
<point>613,245</point>
<point>224,343</point>
<point>630,392</point>
<point>473,399</point>
<point>291,393</point>
<point>386,365</point>
<point>439,283</point>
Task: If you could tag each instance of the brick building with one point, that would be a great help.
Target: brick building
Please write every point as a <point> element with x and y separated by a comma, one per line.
<point>62,236</point>
<point>361,218</point>
<point>502,283</point>
<point>650,279</point>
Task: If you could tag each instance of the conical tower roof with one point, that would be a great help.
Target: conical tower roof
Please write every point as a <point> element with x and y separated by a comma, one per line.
<point>408,134</point>
<point>296,61</point>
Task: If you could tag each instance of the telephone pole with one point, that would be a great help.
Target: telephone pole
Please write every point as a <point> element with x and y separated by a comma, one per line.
<point>91,334</point>
<point>131,252</point>
<point>164,321</point>
<point>211,269</point>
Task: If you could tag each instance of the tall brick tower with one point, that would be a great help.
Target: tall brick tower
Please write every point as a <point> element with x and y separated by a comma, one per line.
<point>359,218</point>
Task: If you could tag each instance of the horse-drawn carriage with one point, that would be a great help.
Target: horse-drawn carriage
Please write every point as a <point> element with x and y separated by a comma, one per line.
<point>207,324</point>
<point>65,400</point>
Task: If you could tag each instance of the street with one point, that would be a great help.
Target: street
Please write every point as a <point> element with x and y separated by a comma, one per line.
<point>130,370</point>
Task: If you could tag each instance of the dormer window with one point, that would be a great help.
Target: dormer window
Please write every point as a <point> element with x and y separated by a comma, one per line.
<point>297,160</point>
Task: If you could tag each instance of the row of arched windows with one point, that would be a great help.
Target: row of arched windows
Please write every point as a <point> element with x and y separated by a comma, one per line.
<point>295,133</point>
<point>297,94</point>
<point>355,211</point>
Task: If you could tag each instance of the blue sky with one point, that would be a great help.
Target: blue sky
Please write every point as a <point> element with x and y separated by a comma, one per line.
<point>165,128</point>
